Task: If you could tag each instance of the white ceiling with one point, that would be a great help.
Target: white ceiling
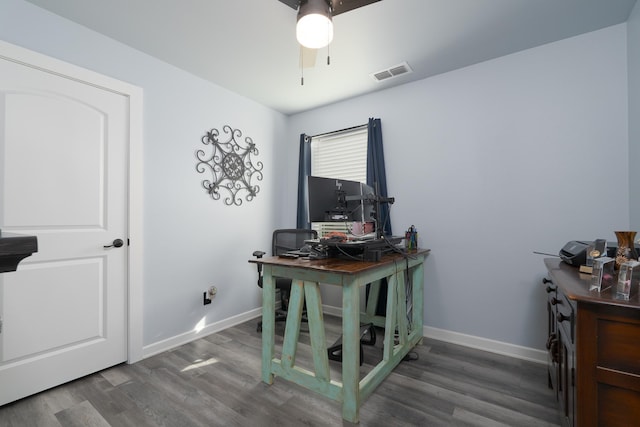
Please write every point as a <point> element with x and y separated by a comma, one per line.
<point>249,46</point>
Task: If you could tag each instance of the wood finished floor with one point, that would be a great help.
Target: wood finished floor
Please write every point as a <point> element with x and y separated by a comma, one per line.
<point>215,381</point>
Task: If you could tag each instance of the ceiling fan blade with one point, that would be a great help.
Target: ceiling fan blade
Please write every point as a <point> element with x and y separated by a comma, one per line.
<point>342,6</point>
<point>308,57</point>
<point>291,3</point>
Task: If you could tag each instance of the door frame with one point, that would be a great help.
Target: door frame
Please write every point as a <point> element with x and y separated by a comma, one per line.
<point>135,282</point>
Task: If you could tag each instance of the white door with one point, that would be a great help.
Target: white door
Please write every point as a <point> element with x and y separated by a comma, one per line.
<point>63,178</point>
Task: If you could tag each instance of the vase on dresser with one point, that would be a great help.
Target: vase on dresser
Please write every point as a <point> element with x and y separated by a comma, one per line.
<point>626,247</point>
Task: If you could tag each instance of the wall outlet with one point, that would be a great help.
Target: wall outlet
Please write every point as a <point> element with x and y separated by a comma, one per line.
<point>209,294</point>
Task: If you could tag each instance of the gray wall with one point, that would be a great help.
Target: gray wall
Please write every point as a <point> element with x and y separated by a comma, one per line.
<point>633,51</point>
<point>495,161</point>
<point>490,162</point>
<point>191,241</point>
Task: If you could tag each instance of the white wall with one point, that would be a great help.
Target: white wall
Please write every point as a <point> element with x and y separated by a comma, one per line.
<point>633,54</point>
<point>492,162</point>
<point>191,241</point>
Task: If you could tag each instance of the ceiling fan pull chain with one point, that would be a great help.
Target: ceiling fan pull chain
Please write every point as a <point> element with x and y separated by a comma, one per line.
<point>301,66</point>
<point>329,39</point>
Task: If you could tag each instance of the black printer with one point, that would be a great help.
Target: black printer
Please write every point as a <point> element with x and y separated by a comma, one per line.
<point>575,252</point>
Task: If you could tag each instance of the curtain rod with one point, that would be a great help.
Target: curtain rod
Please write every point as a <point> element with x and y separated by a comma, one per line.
<point>335,132</point>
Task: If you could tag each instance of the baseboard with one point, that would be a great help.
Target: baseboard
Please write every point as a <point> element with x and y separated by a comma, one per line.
<point>498,347</point>
<point>493,346</point>
<point>178,340</point>
<point>334,311</point>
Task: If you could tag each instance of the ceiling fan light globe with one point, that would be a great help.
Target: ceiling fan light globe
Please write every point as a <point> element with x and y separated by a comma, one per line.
<point>314,31</point>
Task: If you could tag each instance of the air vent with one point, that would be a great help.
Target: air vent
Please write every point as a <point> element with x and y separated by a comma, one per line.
<point>395,71</point>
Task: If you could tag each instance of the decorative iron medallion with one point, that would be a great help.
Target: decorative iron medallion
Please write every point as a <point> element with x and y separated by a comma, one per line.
<point>231,165</point>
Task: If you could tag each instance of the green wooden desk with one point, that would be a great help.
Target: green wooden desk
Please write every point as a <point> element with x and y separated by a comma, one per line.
<point>306,277</point>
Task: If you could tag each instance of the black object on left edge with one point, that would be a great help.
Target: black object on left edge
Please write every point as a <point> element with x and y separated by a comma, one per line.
<point>14,248</point>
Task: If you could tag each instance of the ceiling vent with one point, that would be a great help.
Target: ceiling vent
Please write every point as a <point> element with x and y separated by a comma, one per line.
<point>389,73</point>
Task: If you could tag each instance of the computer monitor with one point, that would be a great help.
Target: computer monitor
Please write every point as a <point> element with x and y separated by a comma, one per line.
<point>331,199</point>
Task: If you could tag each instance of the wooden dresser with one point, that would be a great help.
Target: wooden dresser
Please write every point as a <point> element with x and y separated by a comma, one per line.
<point>593,350</point>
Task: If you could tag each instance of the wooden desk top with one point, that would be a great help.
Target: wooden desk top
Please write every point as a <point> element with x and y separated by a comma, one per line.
<point>576,286</point>
<point>337,265</point>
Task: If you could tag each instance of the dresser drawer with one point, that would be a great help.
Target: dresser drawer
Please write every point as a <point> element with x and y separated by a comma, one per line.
<point>618,345</point>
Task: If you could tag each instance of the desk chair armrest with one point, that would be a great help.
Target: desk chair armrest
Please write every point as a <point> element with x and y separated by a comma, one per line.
<point>259,254</point>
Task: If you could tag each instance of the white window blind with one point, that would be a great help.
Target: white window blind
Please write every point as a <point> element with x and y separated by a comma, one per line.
<point>341,155</point>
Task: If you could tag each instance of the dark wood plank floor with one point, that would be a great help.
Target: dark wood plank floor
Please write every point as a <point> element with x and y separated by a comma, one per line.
<point>215,381</point>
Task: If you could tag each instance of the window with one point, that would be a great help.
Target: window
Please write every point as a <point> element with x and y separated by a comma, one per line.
<point>342,155</point>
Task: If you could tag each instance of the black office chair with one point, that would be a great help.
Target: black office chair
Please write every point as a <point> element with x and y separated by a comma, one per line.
<point>284,240</point>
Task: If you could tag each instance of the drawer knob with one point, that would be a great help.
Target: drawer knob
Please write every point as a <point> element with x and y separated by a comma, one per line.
<point>563,318</point>
<point>549,288</point>
<point>555,301</point>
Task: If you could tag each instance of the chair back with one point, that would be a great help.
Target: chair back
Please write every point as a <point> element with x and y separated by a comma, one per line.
<point>291,239</point>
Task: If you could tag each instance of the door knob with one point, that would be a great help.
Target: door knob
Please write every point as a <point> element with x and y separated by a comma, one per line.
<point>116,244</point>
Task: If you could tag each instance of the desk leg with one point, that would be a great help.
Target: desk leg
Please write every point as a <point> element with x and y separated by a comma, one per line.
<point>316,331</point>
<point>268,324</point>
<point>391,320</point>
<point>372,300</point>
<point>418,298</point>
<point>350,351</point>
<point>292,326</point>
<point>400,301</point>
<point>369,315</point>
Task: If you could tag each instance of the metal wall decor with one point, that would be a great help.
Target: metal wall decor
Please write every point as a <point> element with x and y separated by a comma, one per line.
<point>231,165</point>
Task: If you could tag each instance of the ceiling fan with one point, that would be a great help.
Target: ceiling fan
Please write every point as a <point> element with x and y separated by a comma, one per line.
<point>320,13</point>
<point>339,6</point>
